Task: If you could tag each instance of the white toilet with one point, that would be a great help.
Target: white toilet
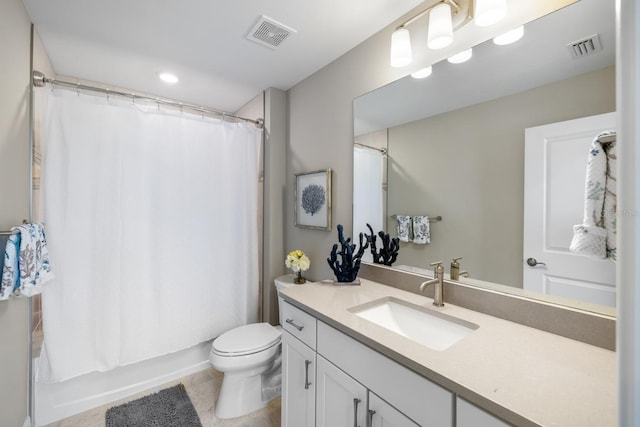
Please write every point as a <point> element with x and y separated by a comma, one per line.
<point>250,358</point>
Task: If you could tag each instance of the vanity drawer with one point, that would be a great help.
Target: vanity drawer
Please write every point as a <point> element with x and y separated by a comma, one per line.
<point>299,324</point>
<point>423,401</point>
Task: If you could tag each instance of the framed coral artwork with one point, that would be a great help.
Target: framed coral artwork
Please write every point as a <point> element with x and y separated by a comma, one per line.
<point>313,200</point>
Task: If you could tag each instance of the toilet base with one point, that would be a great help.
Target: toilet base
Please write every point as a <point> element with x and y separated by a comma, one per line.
<point>241,395</point>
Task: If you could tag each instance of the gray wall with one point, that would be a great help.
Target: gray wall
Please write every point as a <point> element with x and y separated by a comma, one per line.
<point>468,166</point>
<point>321,120</point>
<point>274,193</point>
<point>15,30</point>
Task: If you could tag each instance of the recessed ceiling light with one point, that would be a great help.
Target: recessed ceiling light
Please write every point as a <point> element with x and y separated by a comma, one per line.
<point>168,78</point>
<point>510,36</point>
<point>461,57</point>
<point>422,73</point>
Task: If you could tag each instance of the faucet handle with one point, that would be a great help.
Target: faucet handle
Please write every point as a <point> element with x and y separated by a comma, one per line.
<point>438,263</point>
<point>455,263</point>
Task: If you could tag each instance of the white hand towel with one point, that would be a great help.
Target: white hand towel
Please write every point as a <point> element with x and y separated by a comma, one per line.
<point>596,236</point>
<point>404,227</point>
<point>421,230</point>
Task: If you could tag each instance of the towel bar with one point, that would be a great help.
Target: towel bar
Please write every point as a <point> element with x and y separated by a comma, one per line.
<point>431,219</point>
<point>10,232</point>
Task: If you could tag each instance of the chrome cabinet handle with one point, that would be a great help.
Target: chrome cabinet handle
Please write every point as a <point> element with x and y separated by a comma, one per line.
<point>292,323</point>
<point>306,374</point>
<point>532,262</point>
<point>370,418</point>
<point>355,411</point>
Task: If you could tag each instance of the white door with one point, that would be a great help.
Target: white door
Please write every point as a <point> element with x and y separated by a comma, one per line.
<point>381,414</point>
<point>298,383</point>
<point>555,169</point>
<point>341,401</point>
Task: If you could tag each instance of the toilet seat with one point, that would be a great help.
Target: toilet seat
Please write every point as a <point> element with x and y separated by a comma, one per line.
<point>247,339</point>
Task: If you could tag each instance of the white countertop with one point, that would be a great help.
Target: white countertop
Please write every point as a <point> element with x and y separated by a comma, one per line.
<point>521,374</point>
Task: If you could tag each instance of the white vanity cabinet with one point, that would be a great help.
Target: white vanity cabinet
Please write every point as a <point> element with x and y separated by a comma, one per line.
<point>298,367</point>
<point>381,414</point>
<point>341,401</point>
<point>419,399</point>
<point>331,380</point>
<point>298,383</point>
<point>468,415</point>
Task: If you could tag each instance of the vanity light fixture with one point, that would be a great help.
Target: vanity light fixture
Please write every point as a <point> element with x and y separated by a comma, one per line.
<point>440,31</point>
<point>400,48</point>
<point>461,57</point>
<point>168,78</point>
<point>445,17</point>
<point>422,73</point>
<point>510,36</point>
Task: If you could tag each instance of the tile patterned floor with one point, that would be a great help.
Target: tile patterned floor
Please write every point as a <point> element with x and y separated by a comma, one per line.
<point>203,388</point>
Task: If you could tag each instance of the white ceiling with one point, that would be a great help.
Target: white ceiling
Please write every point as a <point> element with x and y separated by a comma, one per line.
<point>125,43</point>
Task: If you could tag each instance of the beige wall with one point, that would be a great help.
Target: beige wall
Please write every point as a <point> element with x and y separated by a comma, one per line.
<point>468,166</point>
<point>15,30</point>
<point>321,120</point>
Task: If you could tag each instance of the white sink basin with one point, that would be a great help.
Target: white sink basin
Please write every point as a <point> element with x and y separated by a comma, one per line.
<point>430,328</point>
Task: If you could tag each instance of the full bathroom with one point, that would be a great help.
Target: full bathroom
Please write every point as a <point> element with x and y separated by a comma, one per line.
<point>318,215</point>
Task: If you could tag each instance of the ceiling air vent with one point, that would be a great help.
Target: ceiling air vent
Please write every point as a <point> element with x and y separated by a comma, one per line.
<point>586,46</point>
<point>269,33</point>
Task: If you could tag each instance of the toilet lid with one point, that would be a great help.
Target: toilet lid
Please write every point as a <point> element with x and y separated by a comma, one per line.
<point>247,339</point>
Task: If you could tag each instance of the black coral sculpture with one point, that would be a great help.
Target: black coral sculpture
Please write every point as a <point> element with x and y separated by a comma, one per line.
<point>388,254</point>
<point>346,262</point>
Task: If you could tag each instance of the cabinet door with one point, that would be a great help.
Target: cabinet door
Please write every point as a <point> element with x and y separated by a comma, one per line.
<point>298,383</point>
<point>341,401</point>
<point>469,415</point>
<point>381,414</point>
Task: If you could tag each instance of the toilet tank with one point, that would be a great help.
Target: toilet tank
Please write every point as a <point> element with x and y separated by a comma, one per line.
<point>281,283</point>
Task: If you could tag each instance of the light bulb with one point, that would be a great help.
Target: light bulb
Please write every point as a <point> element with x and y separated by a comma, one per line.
<point>400,48</point>
<point>488,12</point>
<point>440,33</point>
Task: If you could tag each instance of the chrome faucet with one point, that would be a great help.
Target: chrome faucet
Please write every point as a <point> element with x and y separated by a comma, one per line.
<point>455,270</point>
<point>438,281</point>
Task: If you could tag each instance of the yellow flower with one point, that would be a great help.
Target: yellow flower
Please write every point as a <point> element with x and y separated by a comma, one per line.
<point>297,261</point>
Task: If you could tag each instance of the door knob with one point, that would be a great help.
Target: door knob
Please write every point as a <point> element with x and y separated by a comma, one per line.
<point>533,262</point>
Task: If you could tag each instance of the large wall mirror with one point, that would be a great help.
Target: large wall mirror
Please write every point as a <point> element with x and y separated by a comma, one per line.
<point>457,145</point>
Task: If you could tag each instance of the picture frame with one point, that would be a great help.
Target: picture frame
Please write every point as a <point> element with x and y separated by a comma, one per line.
<point>312,200</point>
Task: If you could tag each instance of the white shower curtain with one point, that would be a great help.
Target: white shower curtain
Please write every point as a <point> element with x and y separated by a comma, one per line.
<point>151,221</point>
<point>368,194</point>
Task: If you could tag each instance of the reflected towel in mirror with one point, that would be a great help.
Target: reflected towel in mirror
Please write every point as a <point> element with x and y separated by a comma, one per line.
<point>596,236</point>
<point>404,227</point>
<point>421,231</point>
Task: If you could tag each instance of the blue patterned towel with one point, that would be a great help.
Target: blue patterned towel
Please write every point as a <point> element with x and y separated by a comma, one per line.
<point>26,266</point>
<point>11,271</point>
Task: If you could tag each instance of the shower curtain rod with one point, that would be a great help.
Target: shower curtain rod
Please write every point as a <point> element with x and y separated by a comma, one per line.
<point>382,150</point>
<point>40,80</point>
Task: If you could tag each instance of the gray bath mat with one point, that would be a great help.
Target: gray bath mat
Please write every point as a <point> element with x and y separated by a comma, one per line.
<point>170,407</point>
